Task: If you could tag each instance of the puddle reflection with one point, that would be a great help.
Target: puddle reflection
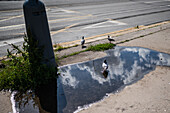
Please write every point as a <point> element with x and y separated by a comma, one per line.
<point>88,82</point>
<point>84,83</point>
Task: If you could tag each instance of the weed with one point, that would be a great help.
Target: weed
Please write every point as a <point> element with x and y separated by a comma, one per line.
<point>75,45</point>
<point>101,47</point>
<point>98,47</point>
<point>59,47</point>
<point>72,54</point>
<point>25,72</point>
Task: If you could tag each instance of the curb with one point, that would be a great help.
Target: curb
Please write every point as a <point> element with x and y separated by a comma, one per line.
<point>112,34</point>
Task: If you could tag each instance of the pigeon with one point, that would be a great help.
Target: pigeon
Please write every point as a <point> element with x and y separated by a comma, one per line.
<point>104,65</point>
<point>82,41</point>
<point>137,27</point>
<point>110,39</point>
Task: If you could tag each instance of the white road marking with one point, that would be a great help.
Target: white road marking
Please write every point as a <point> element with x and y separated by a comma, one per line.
<point>149,2</point>
<point>20,26</point>
<point>108,23</point>
<point>117,22</point>
<point>12,18</point>
<point>53,10</point>
<point>68,11</point>
<point>10,41</point>
<point>12,27</point>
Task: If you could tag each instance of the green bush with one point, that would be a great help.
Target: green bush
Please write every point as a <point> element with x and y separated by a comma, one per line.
<point>101,47</point>
<point>23,70</point>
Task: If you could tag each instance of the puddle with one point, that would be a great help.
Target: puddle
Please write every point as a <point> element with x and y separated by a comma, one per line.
<point>84,83</point>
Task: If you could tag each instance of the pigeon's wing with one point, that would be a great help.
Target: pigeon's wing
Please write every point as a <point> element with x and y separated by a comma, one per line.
<point>113,38</point>
<point>82,42</point>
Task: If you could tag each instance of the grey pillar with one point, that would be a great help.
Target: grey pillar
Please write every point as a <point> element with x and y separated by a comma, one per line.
<point>36,22</point>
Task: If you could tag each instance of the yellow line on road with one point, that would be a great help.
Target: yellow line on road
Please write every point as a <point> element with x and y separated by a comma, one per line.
<point>70,19</point>
<point>12,27</point>
<point>60,9</point>
<point>11,18</point>
<point>61,15</point>
<point>18,34</point>
<point>11,10</point>
<point>92,37</point>
<point>62,30</point>
<point>103,36</point>
<point>114,33</point>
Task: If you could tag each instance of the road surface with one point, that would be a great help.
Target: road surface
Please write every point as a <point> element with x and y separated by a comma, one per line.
<point>70,20</point>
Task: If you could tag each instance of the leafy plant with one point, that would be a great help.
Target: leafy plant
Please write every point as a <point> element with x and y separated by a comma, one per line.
<point>24,71</point>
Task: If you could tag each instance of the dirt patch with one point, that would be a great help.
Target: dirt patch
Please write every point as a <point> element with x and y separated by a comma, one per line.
<point>85,56</point>
<point>5,105</point>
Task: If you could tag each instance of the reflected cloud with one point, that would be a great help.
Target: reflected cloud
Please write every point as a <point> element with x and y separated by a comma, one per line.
<point>117,69</point>
<point>83,83</point>
<point>117,53</point>
<point>68,79</point>
<point>125,66</point>
<point>134,50</point>
<point>94,75</point>
<point>133,74</point>
<point>144,53</point>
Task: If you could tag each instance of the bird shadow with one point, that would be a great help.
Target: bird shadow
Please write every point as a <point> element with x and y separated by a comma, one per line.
<point>83,47</point>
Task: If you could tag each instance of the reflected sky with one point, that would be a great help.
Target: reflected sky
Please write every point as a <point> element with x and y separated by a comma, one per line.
<point>84,83</point>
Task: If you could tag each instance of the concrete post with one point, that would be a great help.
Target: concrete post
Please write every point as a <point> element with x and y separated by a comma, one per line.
<point>36,22</point>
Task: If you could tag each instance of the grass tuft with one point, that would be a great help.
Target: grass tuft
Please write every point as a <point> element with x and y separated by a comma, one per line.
<point>98,47</point>
<point>72,54</point>
<point>59,47</point>
<point>101,47</point>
